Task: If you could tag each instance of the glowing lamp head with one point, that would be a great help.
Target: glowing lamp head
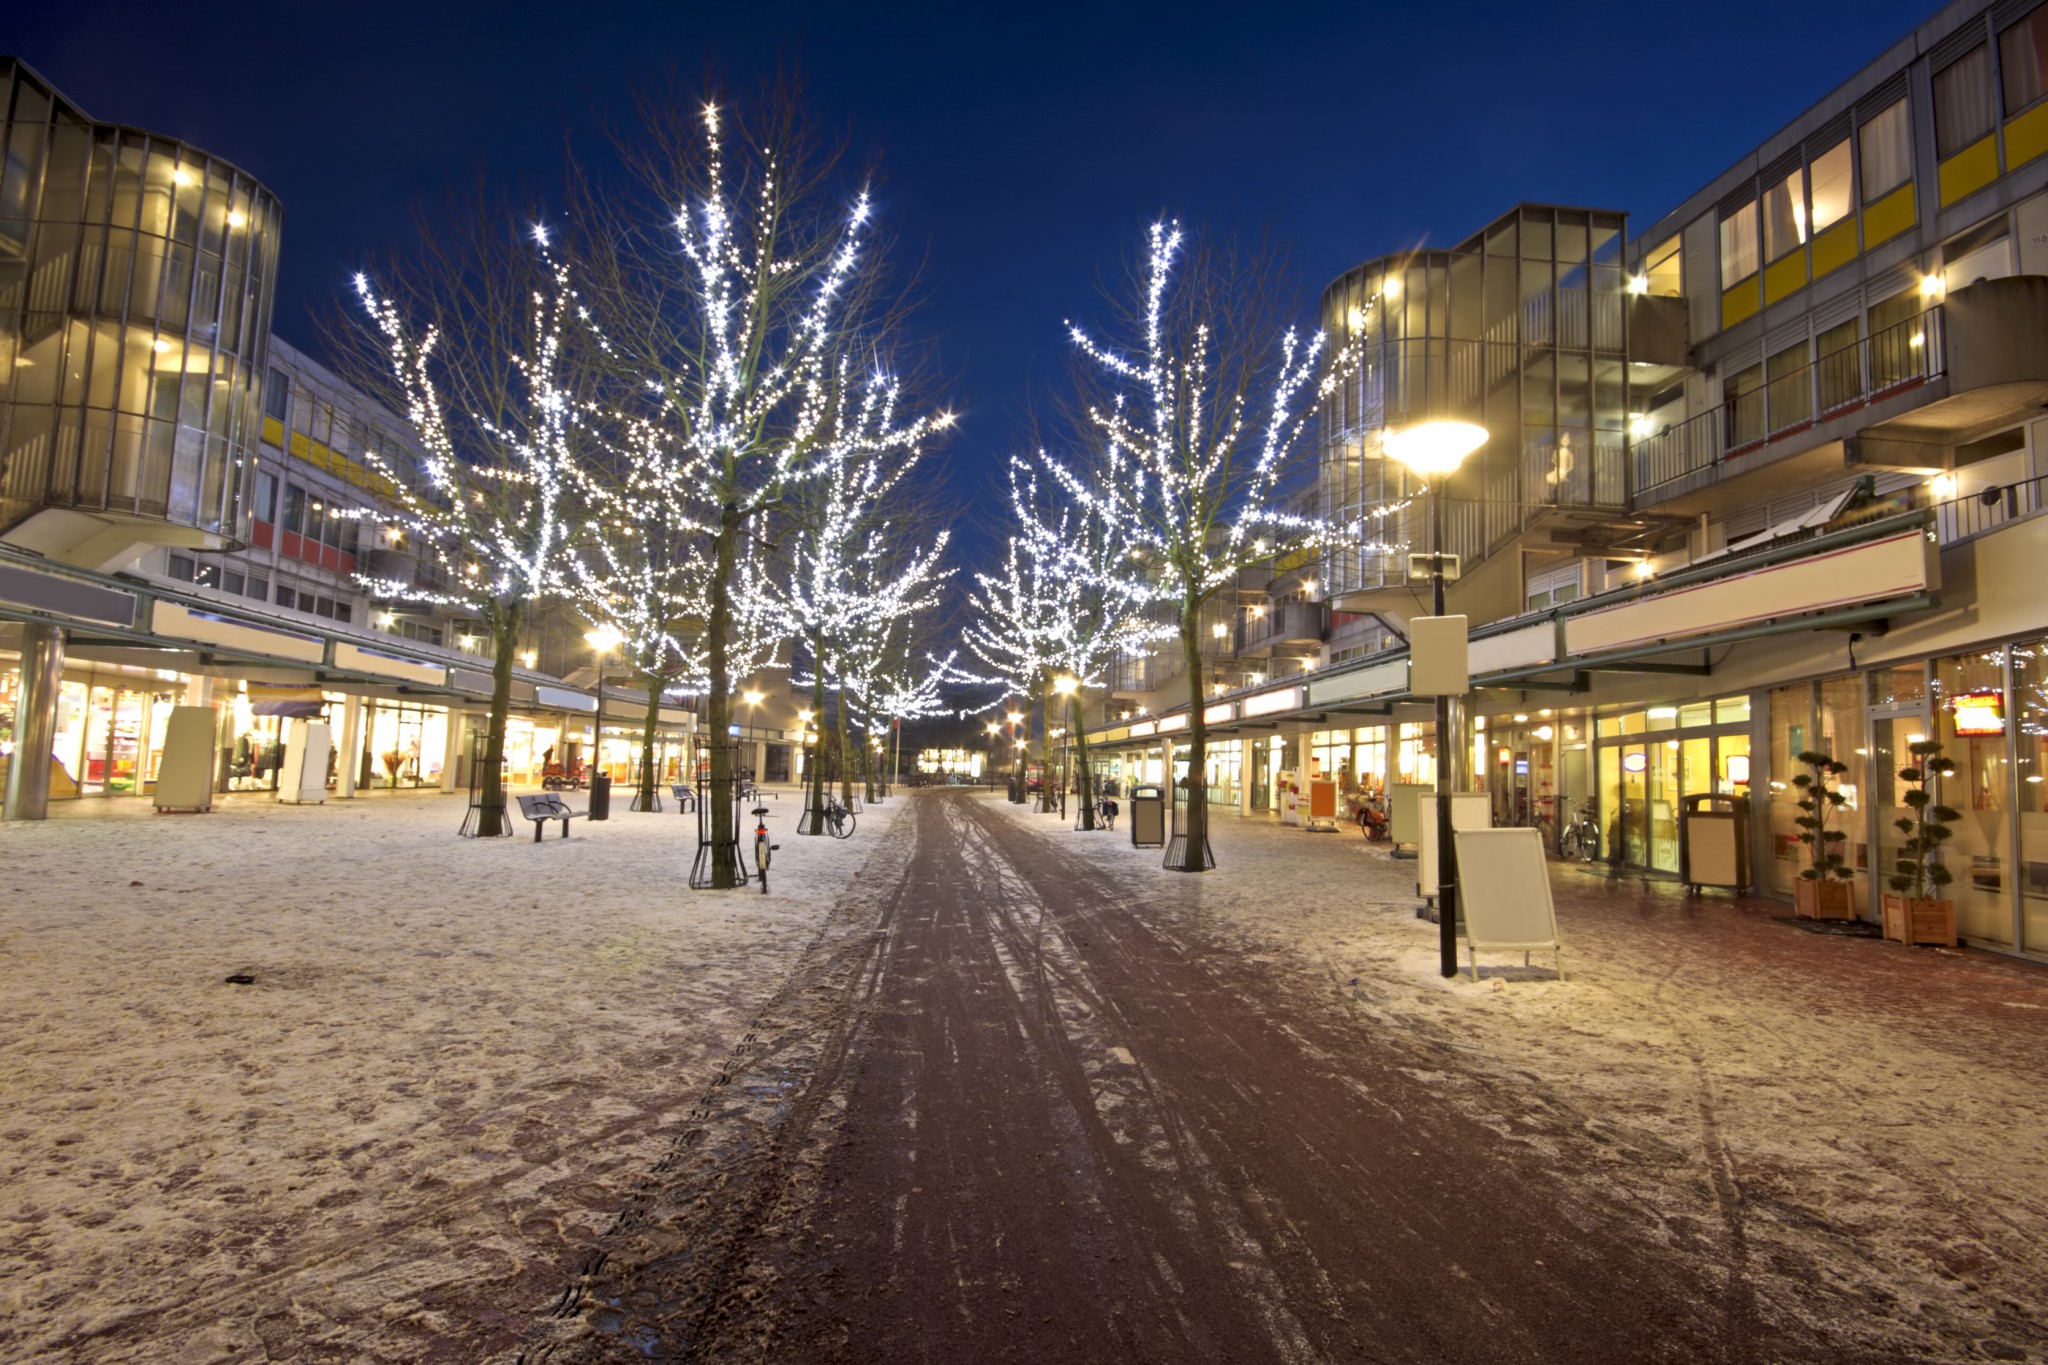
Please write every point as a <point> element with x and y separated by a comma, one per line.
<point>752,698</point>
<point>1013,716</point>
<point>804,716</point>
<point>529,657</point>
<point>1220,630</point>
<point>993,727</point>
<point>1066,685</point>
<point>603,638</point>
<point>1433,448</point>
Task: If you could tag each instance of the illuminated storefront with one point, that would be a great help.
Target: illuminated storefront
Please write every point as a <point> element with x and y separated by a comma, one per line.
<point>1648,758</point>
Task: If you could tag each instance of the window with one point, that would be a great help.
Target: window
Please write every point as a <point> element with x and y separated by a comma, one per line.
<point>1830,175</point>
<point>230,581</point>
<point>294,509</point>
<point>277,394</point>
<point>258,588</point>
<point>1791,390</point>
<point>207,576</point>
<point>1745,401</point>
<point>1887,141</point>
<point>265,508</point>
<point>1661,270</point>
<point>179,567</point>
<point>1785,216</point>
<point>1738,246</point>
<point>1962,101</point>
<point>2023,61</point>
<point>287,596</point>
<point>306,601</point>
<point>341,611</point>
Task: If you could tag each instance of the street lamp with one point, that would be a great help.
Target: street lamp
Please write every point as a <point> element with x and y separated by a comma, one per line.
<point>1016,760</point>
<point>992,727</point>
<point>1433,450</point>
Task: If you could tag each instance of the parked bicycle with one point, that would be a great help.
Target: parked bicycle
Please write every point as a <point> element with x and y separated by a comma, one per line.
<point>1581,837</point>
<point>762,848</point>
<point>839,821</point>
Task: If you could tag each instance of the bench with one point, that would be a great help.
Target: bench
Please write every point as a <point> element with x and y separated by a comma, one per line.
<point>686,800</point>
<point>541,809</point>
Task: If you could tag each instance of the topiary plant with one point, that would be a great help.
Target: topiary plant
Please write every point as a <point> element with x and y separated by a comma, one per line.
<point>1820,802</point>
<point>1917,872</point>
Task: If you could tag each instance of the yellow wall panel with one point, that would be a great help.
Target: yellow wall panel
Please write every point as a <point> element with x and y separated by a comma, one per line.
<point>1835,247</point>
<point>1889,216</point>
<point>273,432</point>
<point>1786,275</point>
<point>1969,170</point>
<point>2026,137</point>
<point>1741,302</point>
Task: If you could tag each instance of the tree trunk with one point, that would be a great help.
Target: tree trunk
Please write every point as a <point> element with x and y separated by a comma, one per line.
<point>1195,847</point>
<point>504,623</point>
<point>1046,803</point>
<point>845,754</point>
<point>1084,780</point>
<point>867,768</point>
<point>649,779</point>
<point>814,775</point>
<point>718,701</point>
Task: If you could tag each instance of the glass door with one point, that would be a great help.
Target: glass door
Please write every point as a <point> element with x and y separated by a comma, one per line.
<point>1662,806</point>
<point>1634,827</point>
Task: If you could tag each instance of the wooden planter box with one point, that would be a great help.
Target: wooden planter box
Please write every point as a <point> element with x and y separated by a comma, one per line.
<point>1916,921</point>
<point>1823,900</point>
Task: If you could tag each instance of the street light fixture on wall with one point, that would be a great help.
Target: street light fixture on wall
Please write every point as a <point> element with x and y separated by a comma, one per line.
<point>1433,451</point>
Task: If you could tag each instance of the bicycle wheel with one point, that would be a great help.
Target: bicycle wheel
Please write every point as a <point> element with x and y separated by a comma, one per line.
<point>761,850</point>
<point>843,828</point>
<point>1568,847</point>
<point>1590,843</point>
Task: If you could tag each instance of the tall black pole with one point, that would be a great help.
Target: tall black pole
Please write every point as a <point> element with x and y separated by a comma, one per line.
<point>1446,747</point>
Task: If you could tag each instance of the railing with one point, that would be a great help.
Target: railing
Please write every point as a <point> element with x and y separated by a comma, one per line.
<point>1961,519</point>
<point>1884,363</point>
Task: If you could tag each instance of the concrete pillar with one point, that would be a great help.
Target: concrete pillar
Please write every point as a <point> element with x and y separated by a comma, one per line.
<point>35,728</point>
<point>351,743</point>
<point>452,755</point>
<point>199,690</point>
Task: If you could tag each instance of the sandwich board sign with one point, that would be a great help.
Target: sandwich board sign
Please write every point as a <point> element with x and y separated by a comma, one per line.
<point>1504,895</point>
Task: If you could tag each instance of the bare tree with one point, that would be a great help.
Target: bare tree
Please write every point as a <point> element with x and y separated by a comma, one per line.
<point>1203,411</point>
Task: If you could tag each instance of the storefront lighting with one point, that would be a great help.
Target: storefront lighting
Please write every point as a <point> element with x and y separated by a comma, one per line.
<point>1543,732</point>
<point>1544,712</point>
<point>1932,287</point>
<point>1639,284</point>
<point>1738,769</point>
<point>1944,486</point>
<point>1505,756</point>
<point>1634,761</point>
<point>1643,569</point>
<point>1916,739</point>
<point>1521,720</point>
<point>2033,777</point>
<point>1663,713</point>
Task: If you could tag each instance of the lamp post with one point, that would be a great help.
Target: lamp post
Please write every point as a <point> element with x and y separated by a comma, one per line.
<point>752,699</point>
<point>1433,450</point>
<point>993,727</point>
<point>1069,687</point>
<point>603,639</point>
<point>1016,760</point>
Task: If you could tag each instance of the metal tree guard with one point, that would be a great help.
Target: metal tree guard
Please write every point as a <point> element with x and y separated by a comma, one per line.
<point>1184,793</point>
<point>708,846</point>
<point>473,819</point>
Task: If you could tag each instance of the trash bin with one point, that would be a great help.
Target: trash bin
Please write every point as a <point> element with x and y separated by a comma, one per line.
<point>1713,841</point>
<point>1148,817</point>
<point>600,797</point>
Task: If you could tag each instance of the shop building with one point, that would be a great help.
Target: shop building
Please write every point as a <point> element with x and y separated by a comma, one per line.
<point>1765,477</point>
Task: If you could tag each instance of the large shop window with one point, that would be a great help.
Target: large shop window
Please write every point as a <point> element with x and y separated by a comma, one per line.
<point>1971,729</point>
<point>1887,143</point>
<point>2030,721</point>
<point>1962,101</point>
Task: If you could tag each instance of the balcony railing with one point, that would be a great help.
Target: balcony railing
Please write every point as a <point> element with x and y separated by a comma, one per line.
<point>1884,363</point>
<point>1966,518</point>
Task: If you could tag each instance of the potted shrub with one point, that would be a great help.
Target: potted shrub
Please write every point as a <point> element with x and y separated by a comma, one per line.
<point>1916,911</point>
<point>1824,890</point>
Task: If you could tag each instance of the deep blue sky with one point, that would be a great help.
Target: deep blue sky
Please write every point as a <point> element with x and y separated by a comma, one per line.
<point>1024,148</point>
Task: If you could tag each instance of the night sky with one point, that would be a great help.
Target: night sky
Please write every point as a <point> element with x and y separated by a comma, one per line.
<point>1023,148</point>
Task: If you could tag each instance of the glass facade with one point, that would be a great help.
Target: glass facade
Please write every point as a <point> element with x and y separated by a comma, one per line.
<point>136,278</point>
<point>1521,329</point>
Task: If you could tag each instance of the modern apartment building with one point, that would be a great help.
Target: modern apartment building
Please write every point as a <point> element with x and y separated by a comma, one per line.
<point>1762,478</point>
<point>187,502</point>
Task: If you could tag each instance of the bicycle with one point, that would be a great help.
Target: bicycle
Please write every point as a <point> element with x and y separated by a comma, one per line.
<point>762,848</point>
<point>839,821</point>
<point>1581,838</point>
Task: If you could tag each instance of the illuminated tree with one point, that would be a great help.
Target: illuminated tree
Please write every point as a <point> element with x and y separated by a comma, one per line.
<point>1203,412</point>
<point>477,338</point>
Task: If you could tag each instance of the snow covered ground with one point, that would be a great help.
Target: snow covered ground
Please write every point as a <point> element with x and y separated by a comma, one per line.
<point>1863,1126</point>
<point>454,1059</point>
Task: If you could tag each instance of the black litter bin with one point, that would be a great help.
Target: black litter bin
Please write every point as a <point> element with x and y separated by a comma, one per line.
<point>600,797</point>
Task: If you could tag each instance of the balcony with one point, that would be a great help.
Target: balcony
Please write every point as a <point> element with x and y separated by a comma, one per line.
<point>1285,625</point>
